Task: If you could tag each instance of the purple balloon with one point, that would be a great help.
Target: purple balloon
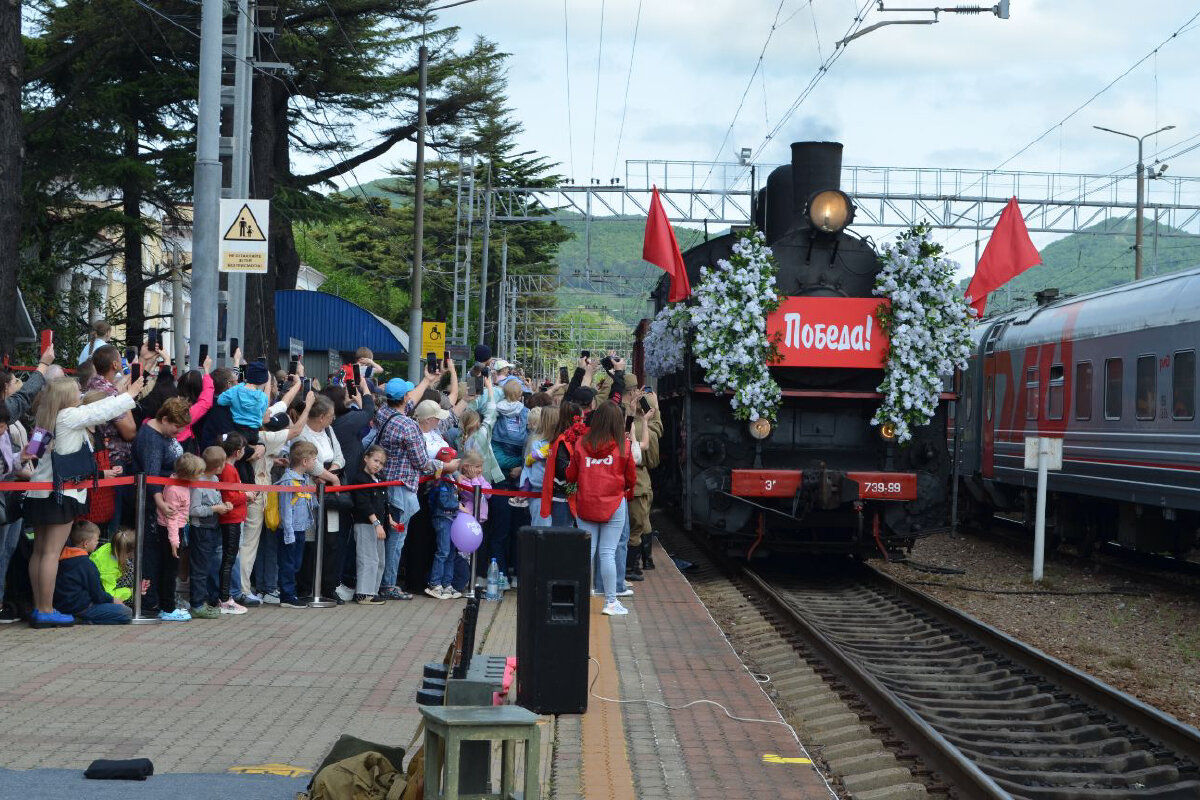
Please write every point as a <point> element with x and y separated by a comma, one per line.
<point>465,533</point>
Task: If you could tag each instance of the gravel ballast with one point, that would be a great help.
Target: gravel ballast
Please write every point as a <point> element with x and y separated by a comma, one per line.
<point>1135,633</point>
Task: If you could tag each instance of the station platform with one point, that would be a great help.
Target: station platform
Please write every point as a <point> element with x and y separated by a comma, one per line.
<point>666,651</point>
<point>248,706</point>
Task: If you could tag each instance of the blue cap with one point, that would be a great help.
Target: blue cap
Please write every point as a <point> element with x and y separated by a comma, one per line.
<point>396,388</point>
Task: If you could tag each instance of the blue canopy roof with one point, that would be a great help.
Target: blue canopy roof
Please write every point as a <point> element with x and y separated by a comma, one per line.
<point>327,322</point>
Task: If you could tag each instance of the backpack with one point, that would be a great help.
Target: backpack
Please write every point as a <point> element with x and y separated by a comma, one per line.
<point>271,516</point>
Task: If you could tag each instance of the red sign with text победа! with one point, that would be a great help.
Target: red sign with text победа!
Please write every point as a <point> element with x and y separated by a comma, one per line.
<point>828,332</point>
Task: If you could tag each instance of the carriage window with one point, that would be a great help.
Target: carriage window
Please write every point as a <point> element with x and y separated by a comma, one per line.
<point>1114,378</point>
<point>1031,393</point>
<point>1054,395</point>
<point>1083,390</point>
<point>1147,386</point>
<point>1183,385</point>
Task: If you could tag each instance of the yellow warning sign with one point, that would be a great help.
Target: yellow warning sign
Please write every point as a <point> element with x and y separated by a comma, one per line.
<point>433,338</point>
<point>286,770</point>
<point>245,227</point>
<point>772,758</point>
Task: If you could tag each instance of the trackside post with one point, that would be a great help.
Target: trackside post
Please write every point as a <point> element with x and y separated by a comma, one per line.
<point>1044,454</point>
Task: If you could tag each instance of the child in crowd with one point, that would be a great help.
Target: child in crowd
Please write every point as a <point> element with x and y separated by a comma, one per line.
<point>172,505</point>
<point>114,562</point>
<point>231,520</point>
<point>204,536</point>
<point>297,511</point>
<point>443,507</point>
<point>470,475</point>
<point>536,454</point>
<point>370,527</point>
<point>248,401</point>
<point>78,590</point>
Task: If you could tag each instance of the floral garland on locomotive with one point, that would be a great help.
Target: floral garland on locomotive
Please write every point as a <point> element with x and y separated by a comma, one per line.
<point>802,383</point>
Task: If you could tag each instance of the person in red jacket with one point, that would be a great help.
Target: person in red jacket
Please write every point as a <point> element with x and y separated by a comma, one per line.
<point>234,446</point>
<point>603,471</point>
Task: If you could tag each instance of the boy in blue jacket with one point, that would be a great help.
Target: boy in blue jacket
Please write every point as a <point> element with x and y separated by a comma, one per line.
<point>443,507</point>
<point>78,590</point>
<point>297,512</point>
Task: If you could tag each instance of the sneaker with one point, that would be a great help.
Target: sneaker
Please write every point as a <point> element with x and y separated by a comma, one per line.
<point>291,602</point>
<point>8,615</point>
<point>232,606</point>
<point>205,612</point>
<point>55,619</point>
<point>626,592</point>
<point>250,600</point>
<point>614,609</point>
<point>435,592</point>
<point>451,593</point>
<point>270,598</point>
<point>344,593</point>
<point>367,600</point>
<point>178,615</point>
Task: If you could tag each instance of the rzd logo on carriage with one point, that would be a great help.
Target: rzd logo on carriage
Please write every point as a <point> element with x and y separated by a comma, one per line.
<point>828,332</point>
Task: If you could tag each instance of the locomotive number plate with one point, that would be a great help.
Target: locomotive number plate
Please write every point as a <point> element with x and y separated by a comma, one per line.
<point>765,482</point>
<point>885,485</point>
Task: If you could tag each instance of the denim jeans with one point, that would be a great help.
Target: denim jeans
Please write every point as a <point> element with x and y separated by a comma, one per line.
<point>462,571</point>
<point>560,515</point>
<point>290,556</point>
<point>105,614</point>
<point>215,572</point>
<point>535,514</point>
<point>403,505</point>
<point>10,534</point>
<point>605,537</point>
<point>231,541</point>
<point>202,555</point>
<point>442,573</point>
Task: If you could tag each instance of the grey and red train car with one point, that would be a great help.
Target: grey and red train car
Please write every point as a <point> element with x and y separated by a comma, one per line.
<point>821,478</point>
<point>1112,373</point>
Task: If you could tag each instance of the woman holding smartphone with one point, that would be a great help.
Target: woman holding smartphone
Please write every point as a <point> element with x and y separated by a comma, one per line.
<point>52,513</point>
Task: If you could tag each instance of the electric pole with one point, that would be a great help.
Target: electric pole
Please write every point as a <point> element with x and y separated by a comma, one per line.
<point>1141,193</point>
<point>415,319</point>
<point>206,208</point>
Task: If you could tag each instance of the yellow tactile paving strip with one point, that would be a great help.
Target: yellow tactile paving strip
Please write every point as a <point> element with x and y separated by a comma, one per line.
<point>605,759</point>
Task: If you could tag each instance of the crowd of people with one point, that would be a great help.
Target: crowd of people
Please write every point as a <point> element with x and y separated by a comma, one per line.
<point>256,458</point>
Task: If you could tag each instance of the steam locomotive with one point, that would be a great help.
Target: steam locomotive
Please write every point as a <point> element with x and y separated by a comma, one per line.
<point>822,478</point>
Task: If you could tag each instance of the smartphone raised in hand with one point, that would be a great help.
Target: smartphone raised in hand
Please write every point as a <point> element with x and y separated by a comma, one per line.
<point>292,362</point>
<point>431,363</point>
<point>203,355</point>
<point>585,353</point>
<point>47,340</point>
<point>153,341</point>
<point>628,424</point>
<point>135,370</point>
<point>563,375</point>
<point>131,357</point>
<point>607,363</point>
<point>233,345</point>
<point>644,404</point>
<point>357,370</point>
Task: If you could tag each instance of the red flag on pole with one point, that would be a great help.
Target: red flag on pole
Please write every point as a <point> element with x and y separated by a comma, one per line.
<point>661,250</point>
<point>1008,253</point>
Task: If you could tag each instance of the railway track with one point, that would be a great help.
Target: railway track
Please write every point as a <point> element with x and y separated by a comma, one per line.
<point>990,716</point>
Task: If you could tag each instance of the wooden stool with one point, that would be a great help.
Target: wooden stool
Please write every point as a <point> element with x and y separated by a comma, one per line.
<point>456,724</point>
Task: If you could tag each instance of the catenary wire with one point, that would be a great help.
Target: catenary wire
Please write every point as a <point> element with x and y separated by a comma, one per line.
<point>596,109</point>
<point>637,21</point>
<point>567,76</point>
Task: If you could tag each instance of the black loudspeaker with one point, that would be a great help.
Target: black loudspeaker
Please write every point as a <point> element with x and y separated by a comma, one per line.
<point>553,602</point>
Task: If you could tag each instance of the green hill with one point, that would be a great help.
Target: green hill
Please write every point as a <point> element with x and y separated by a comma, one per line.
<point>1100,257</point>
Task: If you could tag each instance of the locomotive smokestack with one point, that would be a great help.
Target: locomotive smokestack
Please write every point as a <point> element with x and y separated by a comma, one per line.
<point>815,166</point>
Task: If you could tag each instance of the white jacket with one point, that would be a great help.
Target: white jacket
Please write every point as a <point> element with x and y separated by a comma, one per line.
<point>70,433</point>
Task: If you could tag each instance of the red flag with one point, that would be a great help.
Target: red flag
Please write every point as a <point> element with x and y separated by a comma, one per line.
<point>661,250</point>
<point>1008,253</point>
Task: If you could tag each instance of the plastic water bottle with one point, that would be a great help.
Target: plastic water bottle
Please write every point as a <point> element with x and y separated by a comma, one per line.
<point>493,581</point>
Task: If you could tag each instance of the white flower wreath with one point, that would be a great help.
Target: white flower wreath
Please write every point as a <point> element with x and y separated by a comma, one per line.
<point>666,341</point>
<point>928,324</point>
<point>730,319</point>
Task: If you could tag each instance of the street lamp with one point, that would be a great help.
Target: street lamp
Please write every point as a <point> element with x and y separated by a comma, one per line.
<point>1141,192</point>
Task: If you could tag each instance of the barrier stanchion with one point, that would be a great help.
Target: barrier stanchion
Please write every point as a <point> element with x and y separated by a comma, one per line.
<point>318,601</point>
<point>477,504</point>
<point>140,528</point>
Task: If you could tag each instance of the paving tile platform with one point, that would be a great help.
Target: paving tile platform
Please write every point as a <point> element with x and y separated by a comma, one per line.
<point>668,650</point>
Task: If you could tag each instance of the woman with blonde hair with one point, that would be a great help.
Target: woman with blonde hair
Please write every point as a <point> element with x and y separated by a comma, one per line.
<point>64,455</point>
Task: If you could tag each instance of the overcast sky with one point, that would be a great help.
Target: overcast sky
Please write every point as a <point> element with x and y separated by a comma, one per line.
<point>969,92</point>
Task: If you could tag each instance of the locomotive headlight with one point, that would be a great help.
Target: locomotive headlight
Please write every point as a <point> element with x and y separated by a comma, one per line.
<point>830,211</point>
<point>760,428</point>
<point>888,431</point>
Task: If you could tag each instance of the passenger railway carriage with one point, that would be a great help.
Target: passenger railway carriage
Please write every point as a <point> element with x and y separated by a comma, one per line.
<point>1113,374</point>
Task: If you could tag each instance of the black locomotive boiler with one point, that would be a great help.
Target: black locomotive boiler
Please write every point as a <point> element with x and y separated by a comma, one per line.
<point>821,478</point>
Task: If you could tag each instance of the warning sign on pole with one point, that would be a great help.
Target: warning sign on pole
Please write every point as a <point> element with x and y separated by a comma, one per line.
<point>433,338</point>
<point>245,228</point>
